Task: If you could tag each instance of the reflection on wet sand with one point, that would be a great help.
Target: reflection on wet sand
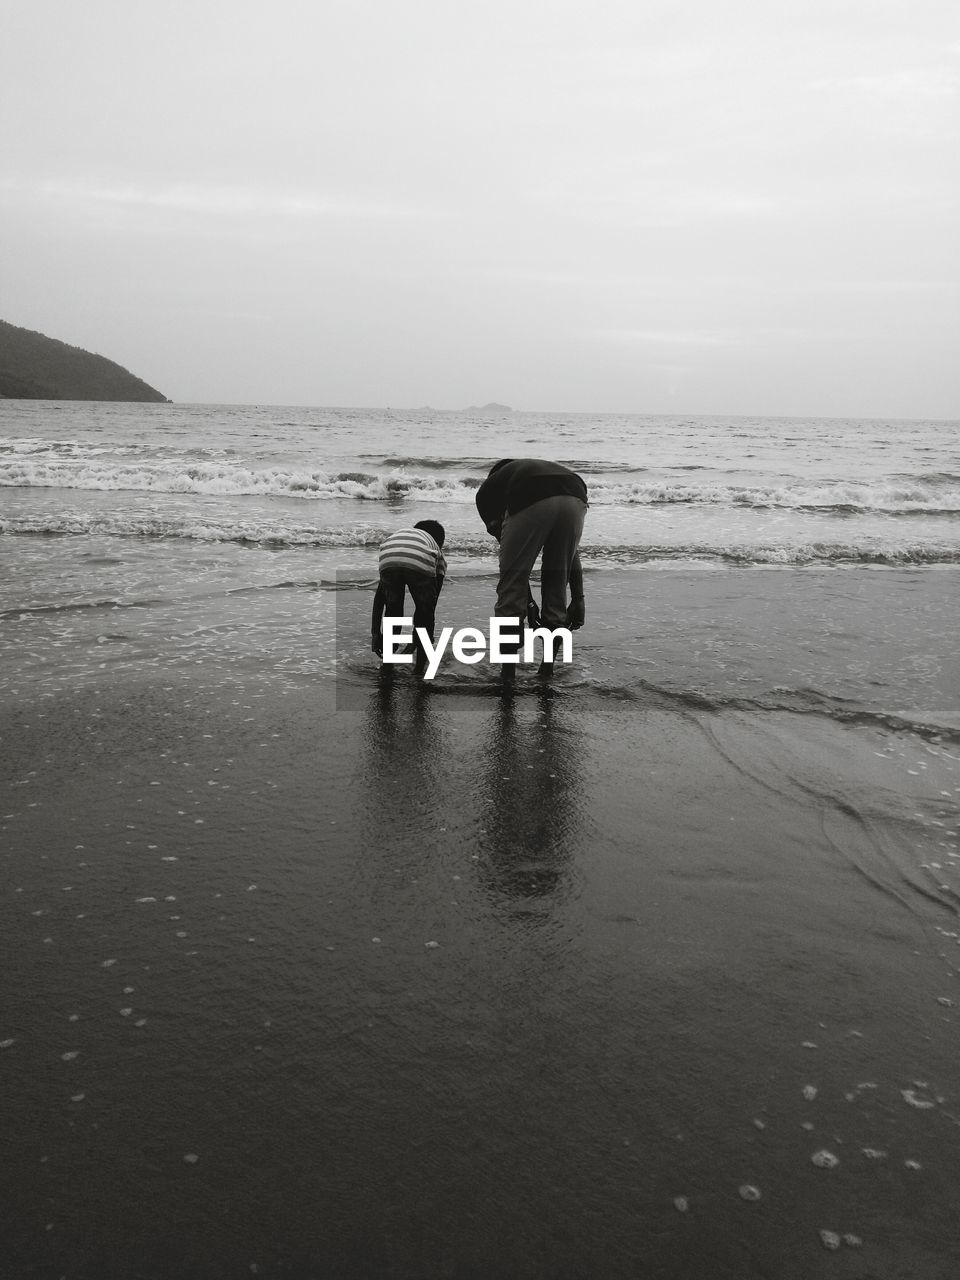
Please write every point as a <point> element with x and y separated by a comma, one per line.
<point>404,745</point>
<point>515,781</point>
<point>403,801</point>
<point>530,799</point>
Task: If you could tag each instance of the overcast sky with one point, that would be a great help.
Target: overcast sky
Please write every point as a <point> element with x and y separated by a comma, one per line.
<point>713,206</point>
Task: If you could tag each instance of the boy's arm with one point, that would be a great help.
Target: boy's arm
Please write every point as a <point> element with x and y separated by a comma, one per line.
<point>376,621</point>
<point>441,571</point>
<point>576,610</point>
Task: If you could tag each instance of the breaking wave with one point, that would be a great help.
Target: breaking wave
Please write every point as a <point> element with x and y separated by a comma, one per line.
<point>393,478</point>
<point>281,533</point>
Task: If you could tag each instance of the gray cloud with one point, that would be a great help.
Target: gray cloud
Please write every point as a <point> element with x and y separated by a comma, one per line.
<point>435,203</point>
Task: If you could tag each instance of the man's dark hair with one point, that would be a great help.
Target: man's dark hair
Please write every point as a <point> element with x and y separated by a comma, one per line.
<point>497,465</point>
<point>434,528</point>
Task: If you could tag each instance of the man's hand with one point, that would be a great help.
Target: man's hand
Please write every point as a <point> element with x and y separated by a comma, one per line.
<point>376,644</point>
<point>533,614</point>
<point>576,614</point>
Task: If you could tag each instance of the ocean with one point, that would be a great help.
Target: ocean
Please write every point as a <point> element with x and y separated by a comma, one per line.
<point>315,970</point>
<point>126,522</point>
<point>715,492</point>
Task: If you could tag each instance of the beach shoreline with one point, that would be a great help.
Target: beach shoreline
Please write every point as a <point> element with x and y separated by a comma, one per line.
<point>312,970</point>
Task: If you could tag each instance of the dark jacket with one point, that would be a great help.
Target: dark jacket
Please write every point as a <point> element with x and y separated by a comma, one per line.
<point>520,482</point>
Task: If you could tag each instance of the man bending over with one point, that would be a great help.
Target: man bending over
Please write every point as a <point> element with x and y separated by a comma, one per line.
<point>531,506</point>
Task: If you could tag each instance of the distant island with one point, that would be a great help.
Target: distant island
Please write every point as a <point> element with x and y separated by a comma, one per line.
<point>492,407</point>
<point>35,367</point>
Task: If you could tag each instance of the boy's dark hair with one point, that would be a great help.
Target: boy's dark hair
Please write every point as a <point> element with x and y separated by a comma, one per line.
<point>497,465</point>
<point>434,528</point>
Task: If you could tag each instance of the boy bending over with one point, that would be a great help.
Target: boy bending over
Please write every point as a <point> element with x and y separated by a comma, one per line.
<point>410,559</point>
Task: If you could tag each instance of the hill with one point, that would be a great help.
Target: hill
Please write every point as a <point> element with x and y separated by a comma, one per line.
<point>492,407</point>
<point>35,367</point>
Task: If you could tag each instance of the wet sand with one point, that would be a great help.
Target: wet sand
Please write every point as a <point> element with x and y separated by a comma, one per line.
<point>439,983</point>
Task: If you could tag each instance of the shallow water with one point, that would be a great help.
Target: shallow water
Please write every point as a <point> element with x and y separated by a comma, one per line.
<point>717,490</point>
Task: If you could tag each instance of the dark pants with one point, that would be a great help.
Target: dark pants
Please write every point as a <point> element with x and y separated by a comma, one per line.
<point>423,588</point>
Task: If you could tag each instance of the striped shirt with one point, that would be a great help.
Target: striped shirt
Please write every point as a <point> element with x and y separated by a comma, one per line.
<point>412,549</point>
